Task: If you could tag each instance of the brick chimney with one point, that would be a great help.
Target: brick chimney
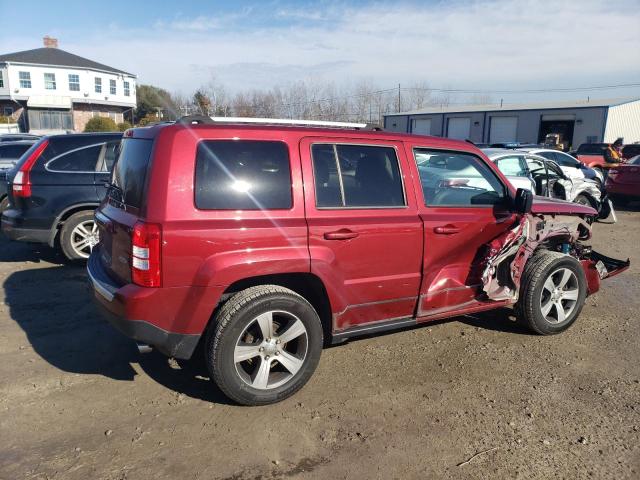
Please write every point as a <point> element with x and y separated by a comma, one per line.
<point>50,42</point>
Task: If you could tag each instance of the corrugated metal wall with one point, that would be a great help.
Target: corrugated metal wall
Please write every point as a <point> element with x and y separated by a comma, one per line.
<point>623,121</point>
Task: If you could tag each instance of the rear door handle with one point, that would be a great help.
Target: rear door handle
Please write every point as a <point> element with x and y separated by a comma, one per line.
<point>446,229</point>
<point>343,234</point>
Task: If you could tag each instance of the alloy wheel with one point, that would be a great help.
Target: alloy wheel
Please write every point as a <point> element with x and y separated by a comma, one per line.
<point>271,350</point>
<point>84,237</point>
<point>559,295</point>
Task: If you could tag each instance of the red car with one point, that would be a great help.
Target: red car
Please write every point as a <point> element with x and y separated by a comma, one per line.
<point>592,155</point>
<point>266,241</point>
<point>623,182</point>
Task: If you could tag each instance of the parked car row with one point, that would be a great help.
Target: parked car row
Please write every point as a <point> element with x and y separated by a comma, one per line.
<point>51,192</point>
<point>204,234</point>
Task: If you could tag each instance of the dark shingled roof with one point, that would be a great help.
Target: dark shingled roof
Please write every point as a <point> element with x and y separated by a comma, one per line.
<point>56,57</point>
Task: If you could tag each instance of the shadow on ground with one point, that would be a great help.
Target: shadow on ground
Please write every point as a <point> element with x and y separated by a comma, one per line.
<point>54,308</point>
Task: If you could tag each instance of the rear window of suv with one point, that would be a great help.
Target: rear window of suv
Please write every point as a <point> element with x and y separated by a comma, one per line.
<point>242,175</point>
<point>130,172</point>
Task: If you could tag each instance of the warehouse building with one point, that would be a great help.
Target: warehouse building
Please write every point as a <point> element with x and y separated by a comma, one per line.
<point>585,121</point>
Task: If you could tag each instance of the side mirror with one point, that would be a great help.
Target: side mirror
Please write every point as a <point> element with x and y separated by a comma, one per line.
<point>523,201</point>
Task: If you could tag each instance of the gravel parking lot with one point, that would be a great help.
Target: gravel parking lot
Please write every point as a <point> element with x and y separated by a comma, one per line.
<point>78,401</point>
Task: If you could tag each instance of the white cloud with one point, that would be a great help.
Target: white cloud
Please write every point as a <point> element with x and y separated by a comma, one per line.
<point>505,44</point>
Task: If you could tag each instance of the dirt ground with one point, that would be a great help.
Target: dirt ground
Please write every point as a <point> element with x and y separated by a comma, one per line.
<point>77,401</point>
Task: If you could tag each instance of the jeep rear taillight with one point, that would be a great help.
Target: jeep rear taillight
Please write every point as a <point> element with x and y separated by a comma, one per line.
<point>22,181</point>
<point>145,254</point>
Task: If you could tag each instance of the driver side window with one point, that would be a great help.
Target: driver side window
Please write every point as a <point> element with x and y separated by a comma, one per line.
<point>456,179</point>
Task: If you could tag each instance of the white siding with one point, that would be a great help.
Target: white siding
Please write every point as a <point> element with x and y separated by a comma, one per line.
<point>86,94</point>
<point>623,121</point>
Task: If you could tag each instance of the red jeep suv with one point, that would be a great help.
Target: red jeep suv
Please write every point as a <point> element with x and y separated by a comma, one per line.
<point>266,241</point>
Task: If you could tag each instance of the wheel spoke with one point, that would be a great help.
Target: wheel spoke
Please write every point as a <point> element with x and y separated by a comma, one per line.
<point>261,377</point>
<point>294,331</point>
<point>549,285</point>
<point>80,228</point>
<point>559,311</point>
<point>546,308</point>
<point>291,363</point>
<point>566,275</point>
<point>265,321</point>
<point>94,227</point>
<point>245,352</point>
<point>570,294</point>
<point>82,244</point>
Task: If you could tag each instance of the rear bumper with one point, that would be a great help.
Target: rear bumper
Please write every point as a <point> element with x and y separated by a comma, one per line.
<point>171,320</point>
<point>14,228</point>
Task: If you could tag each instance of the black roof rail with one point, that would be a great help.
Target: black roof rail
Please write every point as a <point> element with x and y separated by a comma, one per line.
<point>195,120</point>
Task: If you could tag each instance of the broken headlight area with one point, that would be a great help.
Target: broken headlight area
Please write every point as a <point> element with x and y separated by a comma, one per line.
<point>509,253</point>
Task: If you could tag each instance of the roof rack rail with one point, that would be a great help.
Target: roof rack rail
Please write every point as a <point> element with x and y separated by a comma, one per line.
<point>204,120</point>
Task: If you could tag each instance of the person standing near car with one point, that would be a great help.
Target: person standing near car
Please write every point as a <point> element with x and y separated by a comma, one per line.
<point>612,152</point>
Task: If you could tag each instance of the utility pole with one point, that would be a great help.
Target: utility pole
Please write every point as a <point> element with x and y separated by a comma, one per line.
<point>399,98</point>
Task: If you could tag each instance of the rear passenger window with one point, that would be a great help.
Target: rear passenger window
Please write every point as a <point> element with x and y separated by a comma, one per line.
<point>457,179</point>
<point>242,175</point>
<point>356,176</point>
<point>512,166</point>
<point>83,159</point>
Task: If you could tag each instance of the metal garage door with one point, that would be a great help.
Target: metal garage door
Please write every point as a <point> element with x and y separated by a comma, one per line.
<point>459,128</point>
<point>503,129</point>
<point>421,126</point>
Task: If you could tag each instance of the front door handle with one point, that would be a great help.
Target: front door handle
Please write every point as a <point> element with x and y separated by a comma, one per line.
<point>446,229</point>
<point>343,234</point>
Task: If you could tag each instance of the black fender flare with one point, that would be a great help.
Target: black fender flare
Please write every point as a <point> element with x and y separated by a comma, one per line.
<point>58,221</point>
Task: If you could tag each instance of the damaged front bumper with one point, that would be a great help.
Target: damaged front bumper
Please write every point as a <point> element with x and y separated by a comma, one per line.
<point>597,267</point>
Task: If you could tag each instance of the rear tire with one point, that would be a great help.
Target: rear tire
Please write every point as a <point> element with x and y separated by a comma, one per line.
<point>552,293</point>
<point>264,345</point>
<point>4,204</point>
<point>78,236</point>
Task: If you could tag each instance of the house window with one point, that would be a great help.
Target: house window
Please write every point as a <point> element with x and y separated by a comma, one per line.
<point>50,81</point>
<point>25,79</point>
<point>7,111</point>
<point>112,116</point>
<point>98,85</point>
<point>74,82</point>
<point>112,87</point>
<point>95,114</point>
<point>1,80</point>
<point>127,91</point>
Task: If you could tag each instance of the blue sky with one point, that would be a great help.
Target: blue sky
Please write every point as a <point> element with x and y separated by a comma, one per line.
<point>493,45</point>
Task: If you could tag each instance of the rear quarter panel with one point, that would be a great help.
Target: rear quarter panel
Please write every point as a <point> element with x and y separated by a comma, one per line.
<point>219,247</point>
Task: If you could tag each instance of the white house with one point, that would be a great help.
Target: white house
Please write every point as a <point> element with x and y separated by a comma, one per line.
<point>48,89</point>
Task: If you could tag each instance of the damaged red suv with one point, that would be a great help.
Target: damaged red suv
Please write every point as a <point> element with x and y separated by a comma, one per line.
<point>266,241</point>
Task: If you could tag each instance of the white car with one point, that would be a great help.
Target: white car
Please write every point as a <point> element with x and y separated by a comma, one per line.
<point>546,178</point>
<point>571,167</point>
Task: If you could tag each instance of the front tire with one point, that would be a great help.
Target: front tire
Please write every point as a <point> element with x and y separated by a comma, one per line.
<point>4,204</point>
<point>265,345</point>
<point>78,236</point>
<point>583,200</point>
<point>552,293</point>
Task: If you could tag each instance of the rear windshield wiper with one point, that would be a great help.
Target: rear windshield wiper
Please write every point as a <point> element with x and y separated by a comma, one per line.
<point>111,189</point>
